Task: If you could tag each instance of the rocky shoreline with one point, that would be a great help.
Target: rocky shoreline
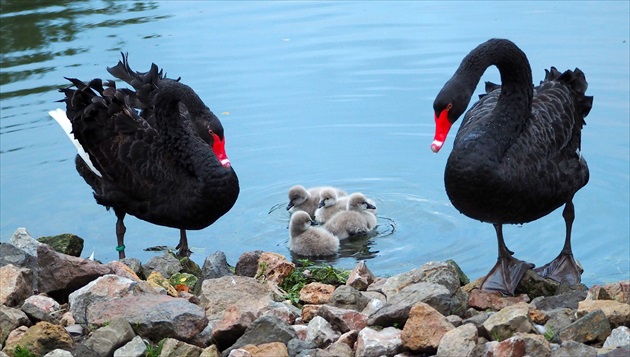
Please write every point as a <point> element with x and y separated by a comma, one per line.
<point>57,304</point>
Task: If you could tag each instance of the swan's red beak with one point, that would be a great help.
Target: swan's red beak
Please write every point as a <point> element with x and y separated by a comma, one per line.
<point>442,126</point>
<point>218,147</point>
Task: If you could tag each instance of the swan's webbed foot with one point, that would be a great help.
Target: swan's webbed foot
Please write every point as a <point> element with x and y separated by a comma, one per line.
<point>505,275</point>
<point>564,268</point>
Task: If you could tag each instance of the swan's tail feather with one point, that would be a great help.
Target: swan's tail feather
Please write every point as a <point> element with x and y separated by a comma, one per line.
<point>576,80</point>
<point>60,116</point>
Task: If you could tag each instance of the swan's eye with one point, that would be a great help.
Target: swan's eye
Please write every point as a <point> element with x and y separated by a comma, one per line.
<point>449,106</point>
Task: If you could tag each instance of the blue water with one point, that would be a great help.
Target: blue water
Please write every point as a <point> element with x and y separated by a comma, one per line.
<point>317,93</point>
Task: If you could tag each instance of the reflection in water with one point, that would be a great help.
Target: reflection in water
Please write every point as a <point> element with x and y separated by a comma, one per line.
<point>30,28</point>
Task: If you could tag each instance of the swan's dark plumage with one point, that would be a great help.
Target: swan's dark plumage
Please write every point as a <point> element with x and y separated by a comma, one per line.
<point>158,148</point>
<point>517,155</point>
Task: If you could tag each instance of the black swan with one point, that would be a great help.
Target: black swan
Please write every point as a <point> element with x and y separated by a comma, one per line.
<point>516,156</point>
<point>155,152</point>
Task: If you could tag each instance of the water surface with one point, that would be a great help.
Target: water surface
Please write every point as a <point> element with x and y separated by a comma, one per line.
<point>316,93</point>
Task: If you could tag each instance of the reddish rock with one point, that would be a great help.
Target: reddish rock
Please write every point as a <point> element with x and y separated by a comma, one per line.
<point>16,284</point>
<point>247,293</point>
<point>104,288</point>
<point>522,345</point>
<point>483,300</point>
<point>274,267</point>
<point>343,320</point>
<point>360,277</point>
<point>619,291</point>
<point>123,270</point>
<point>537,316</point>
<point>272,349</point>
<point>58,271</point>
<point>308,312</point>
<point>424,328</point>
<point>316,293</point>
<point>231,326</point>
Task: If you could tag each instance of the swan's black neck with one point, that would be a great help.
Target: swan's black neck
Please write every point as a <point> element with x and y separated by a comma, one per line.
<point>494,132</point>
<point>516,73</point>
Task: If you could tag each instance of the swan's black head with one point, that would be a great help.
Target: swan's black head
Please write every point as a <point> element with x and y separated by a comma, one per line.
<point>192,109</point>
<point>448,106</point>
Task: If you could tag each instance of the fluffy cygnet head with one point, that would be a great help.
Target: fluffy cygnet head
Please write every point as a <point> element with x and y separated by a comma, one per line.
<point>327,197</point>
<point>358,202</point>
<point>297,195</point>
<point>308,240</point>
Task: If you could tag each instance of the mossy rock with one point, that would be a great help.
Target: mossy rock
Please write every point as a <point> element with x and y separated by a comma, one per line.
<point>183,279</point>
<point>66,243</point>
<point>463,279</point>
<point>189,266</point>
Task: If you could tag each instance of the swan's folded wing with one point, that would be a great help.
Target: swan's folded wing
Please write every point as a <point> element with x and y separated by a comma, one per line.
<point>119,142</point>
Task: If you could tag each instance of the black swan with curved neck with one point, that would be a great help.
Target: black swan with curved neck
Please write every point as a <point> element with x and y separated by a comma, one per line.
<point>155,152</point>
<point>516,156</point>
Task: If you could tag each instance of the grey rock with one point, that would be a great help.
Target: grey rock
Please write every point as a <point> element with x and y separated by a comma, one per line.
<point>215,266</point>
<point>478,320</point>
<point>620,351</point>
<point>373,343</point>
<point>135,265</point>
<point>173,347</point>
<point>166,264</point>
<point>23,240</point>
<point>507,322</point>
<point>204,338</point>
<point>40,308</point>
<point>320,332</point>
<point>297,346</point>
<point>558,320</point>
<point>454,320</point>
<point>373,306</point>
<point>10,254</point>
<point>572,348</point>
<point>105,340</point>
<point>58,353</point>
<point>247,264</point>
<point>264,329</point>
<point>592,327</point>
<point>618,337</point>
<point>347,297</point>
<point>568,300</point>
<point>134,348</point>
<point>437,296</point>
<point>153,316</point>
<point>458,342</point>
<point>10,319</point>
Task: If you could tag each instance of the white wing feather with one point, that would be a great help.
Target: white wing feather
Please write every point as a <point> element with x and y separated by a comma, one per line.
<point>60,116</point>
